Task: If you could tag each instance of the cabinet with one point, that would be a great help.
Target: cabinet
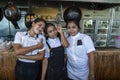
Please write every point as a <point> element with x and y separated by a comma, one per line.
<point>107,64</point>
<point>101,31</point>
<point>114,31</point>
<point>89,27</point>
<point>97,29</point>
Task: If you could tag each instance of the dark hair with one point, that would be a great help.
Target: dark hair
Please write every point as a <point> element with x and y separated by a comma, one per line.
<point>29,22</point>
<point>76,22</point>
<point>46,28</point>
<point>37,20</point>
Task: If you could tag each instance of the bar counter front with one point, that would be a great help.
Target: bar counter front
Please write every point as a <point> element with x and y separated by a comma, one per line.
<point>107,64</point>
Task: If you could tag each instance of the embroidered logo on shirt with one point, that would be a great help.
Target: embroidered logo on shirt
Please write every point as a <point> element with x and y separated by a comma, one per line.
<point>79,42</point>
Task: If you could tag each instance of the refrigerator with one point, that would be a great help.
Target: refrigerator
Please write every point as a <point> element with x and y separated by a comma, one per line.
<point>100,31</point>
<point>114,31</point>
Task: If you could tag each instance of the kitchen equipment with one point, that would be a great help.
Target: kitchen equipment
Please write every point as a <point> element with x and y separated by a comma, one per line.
<point>1,14</point>
<point>72,13</point>
<point>12,13</point>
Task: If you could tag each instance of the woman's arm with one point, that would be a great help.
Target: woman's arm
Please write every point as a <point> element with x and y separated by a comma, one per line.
<point>65,59</point>
<point>44,68</point>
<point>63,38</point>
<point>19,50</point>
<point>39,56</point>
<point>91,65</point>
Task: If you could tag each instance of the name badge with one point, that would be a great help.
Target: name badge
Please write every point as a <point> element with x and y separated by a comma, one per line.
<point>79,42</point>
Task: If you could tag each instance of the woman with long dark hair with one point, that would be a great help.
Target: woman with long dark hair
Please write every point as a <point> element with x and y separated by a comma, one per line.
<point>29,47</point>
<point>53,64</point>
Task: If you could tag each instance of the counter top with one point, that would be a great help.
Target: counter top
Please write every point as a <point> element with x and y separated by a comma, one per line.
<point>113,49</point>
<point>108,49</point>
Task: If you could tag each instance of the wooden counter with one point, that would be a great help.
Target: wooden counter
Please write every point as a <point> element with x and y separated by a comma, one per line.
<point>107,64</point>
<point>7,65</point>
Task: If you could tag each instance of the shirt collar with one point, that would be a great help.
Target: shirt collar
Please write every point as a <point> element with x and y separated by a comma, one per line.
<point>74,37</point>
<point>51,39</point>
<point>35,36</point>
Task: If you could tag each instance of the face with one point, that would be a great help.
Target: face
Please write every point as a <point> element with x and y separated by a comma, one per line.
<point>52,32</point>
<point>38,27</point>
<point>72,28</point>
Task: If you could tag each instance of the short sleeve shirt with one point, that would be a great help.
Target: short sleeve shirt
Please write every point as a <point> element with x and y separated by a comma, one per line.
<point>25,40</point>
<point>77,56</point>
<point>53,43</point>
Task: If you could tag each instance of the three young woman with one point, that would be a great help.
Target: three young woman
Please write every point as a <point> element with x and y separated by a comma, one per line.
<point>30,47</point>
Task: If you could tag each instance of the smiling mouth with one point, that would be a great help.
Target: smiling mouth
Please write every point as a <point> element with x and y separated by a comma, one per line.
<point>72,32</point>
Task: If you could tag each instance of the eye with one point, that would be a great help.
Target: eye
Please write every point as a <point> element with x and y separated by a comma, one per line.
<point>68,27</point>
<point>73,27</point>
